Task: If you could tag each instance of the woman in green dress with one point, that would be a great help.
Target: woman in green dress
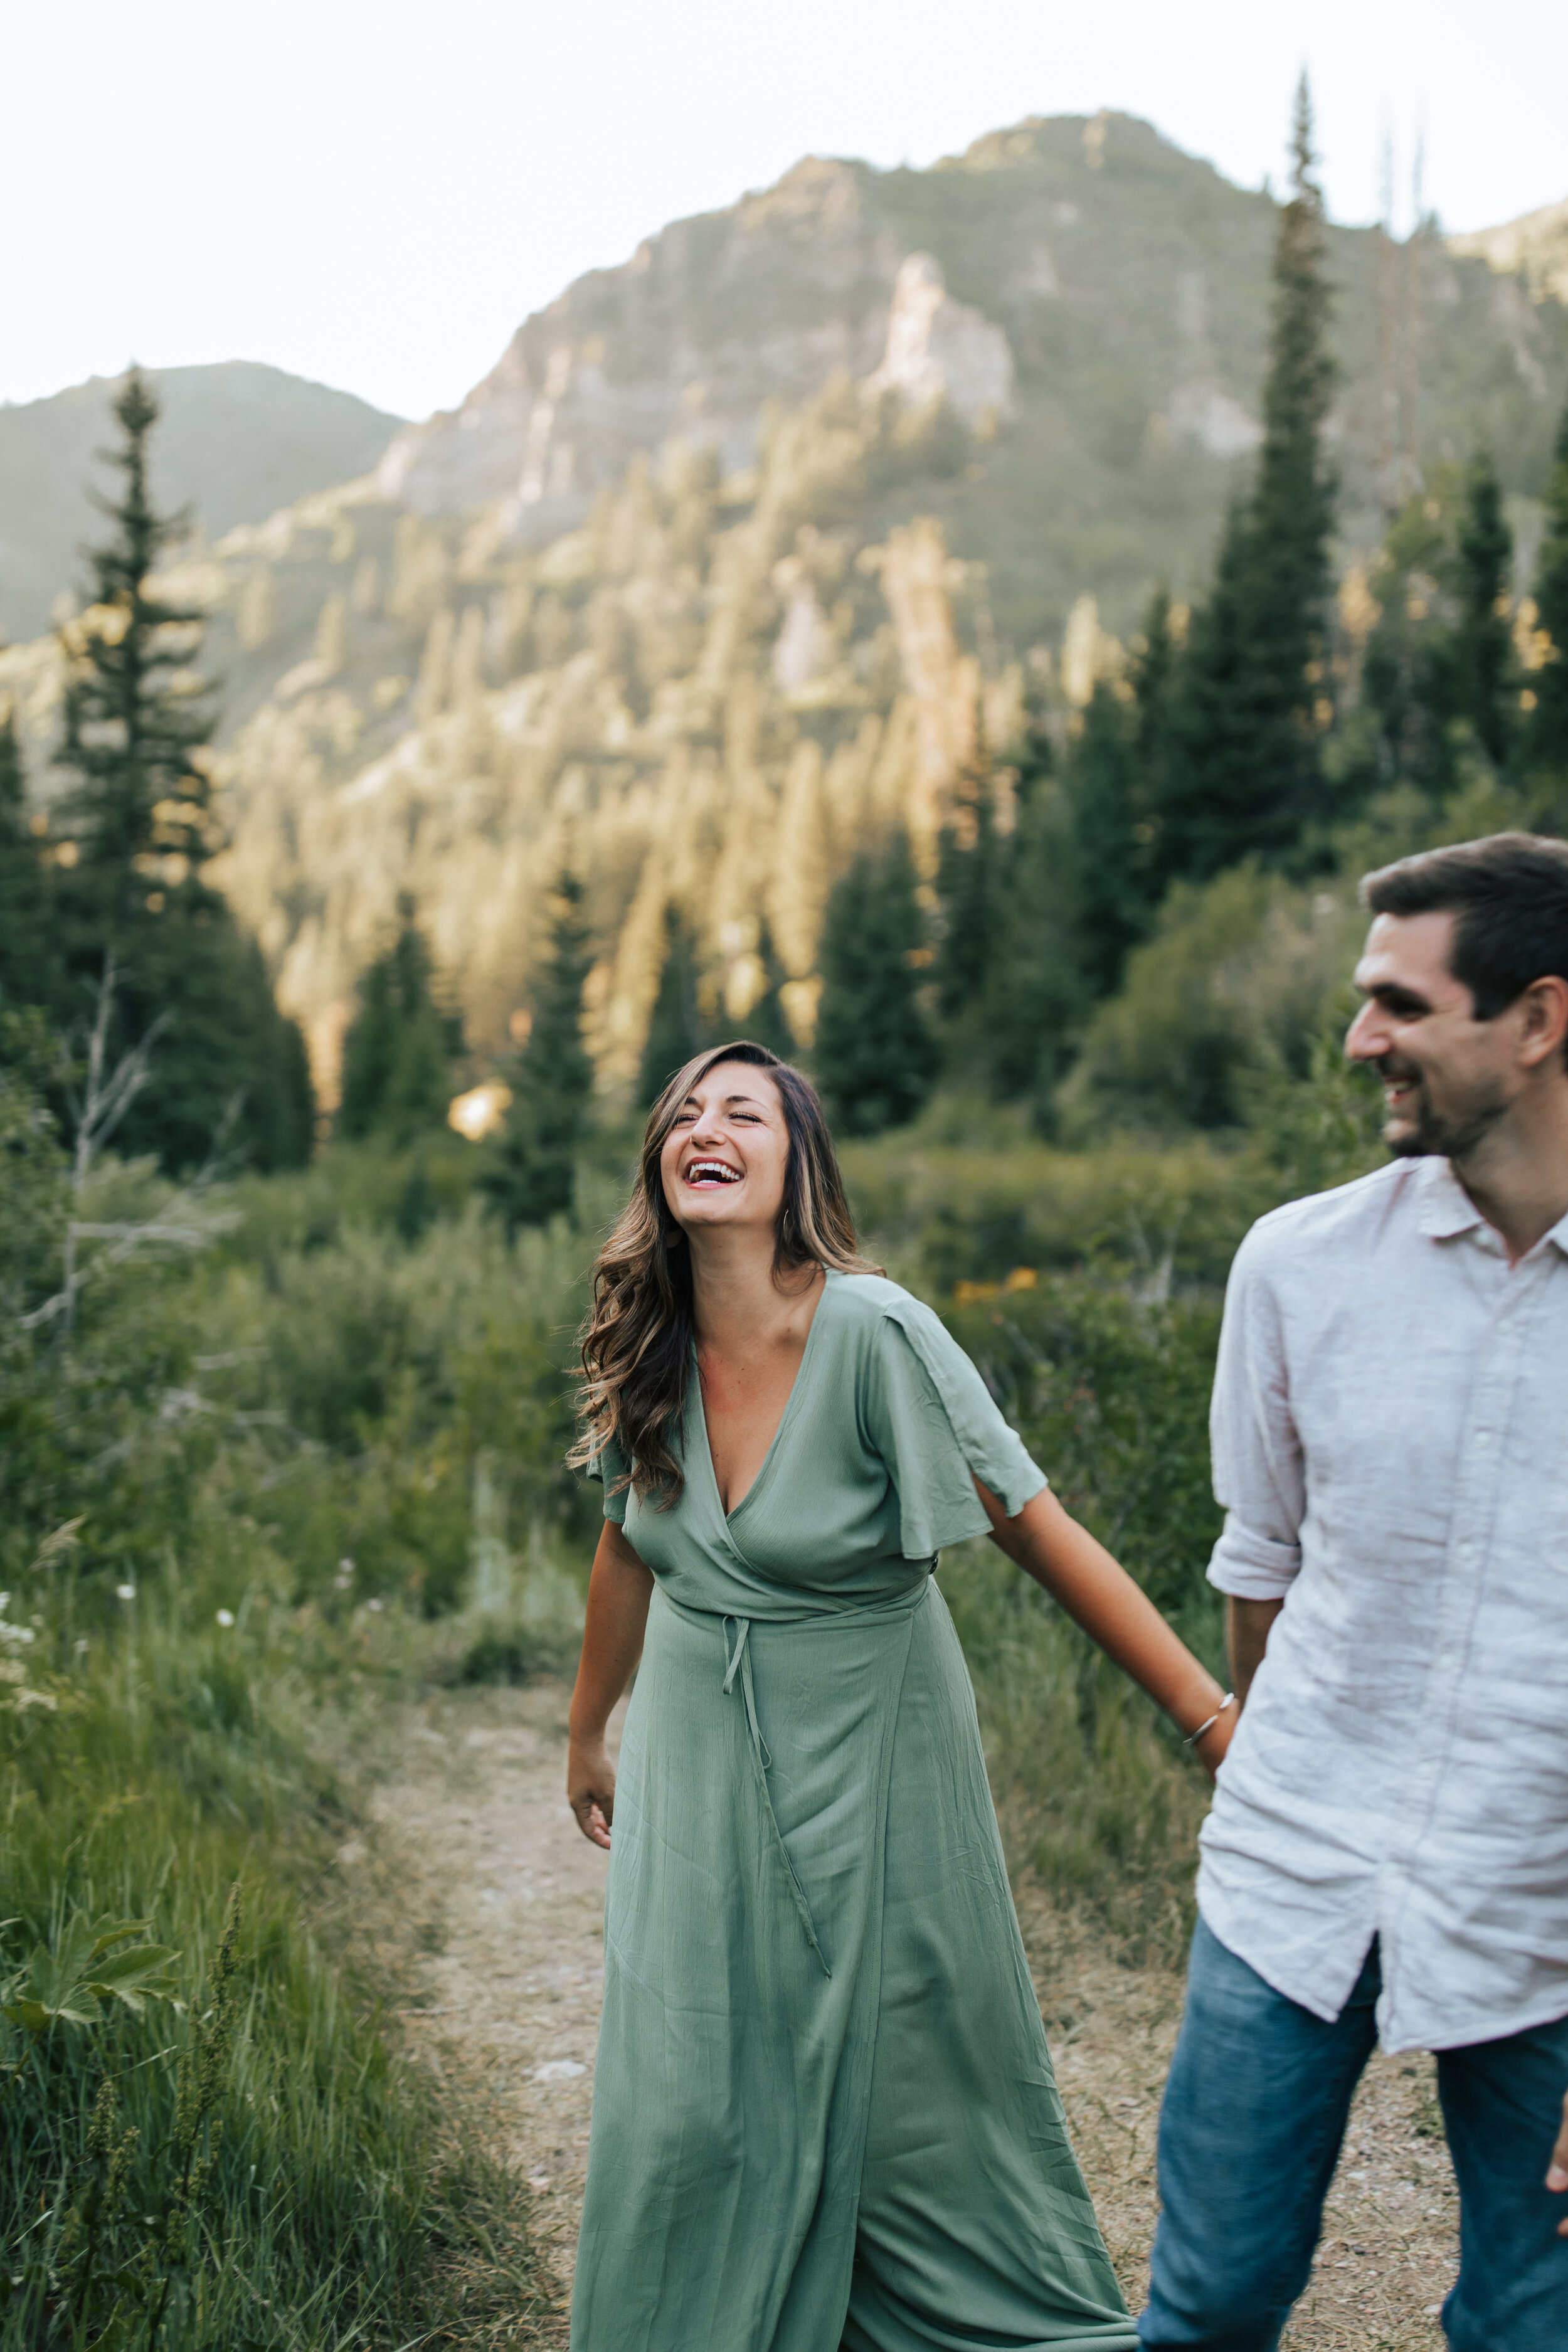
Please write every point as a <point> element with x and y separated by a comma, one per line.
<point>824,2109</point>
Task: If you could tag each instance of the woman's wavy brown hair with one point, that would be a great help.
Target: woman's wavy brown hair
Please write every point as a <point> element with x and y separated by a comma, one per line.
<point>636,1340</point>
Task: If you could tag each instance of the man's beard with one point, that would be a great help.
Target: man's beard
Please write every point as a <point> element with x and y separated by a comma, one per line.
<point>1430,1134</point>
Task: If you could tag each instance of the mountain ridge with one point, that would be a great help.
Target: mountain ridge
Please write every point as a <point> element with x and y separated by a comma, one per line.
<point>704,663</point>
<point>238,440</point>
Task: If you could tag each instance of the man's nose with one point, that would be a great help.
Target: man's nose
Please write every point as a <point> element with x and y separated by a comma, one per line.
<point>1367,1039</point>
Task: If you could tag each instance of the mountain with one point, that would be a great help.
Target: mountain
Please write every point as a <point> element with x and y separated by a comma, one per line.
<point>756,542</point>
<point>1533,247</point>
<point>1095,303</point>
<point>236,442</point>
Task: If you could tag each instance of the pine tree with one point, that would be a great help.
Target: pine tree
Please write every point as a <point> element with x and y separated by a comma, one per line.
<point>1009,983</point>
<point>1036,998</point>
<point>1481,686</point>
<point>27,972</point>
<point>137,828</point>
<point>674,1030</point>
<point>970,886</point>
<point>1119,783</point>
<point>532,1174</point>
<point>876,1056</point>
<point>134,713</point>
<point>766,1021</point>
<point>1547,744</point>
<point>400,1046</point>
<point>1254,686</point>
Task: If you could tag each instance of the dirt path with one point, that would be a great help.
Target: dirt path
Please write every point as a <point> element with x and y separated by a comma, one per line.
<point>474,1826</point>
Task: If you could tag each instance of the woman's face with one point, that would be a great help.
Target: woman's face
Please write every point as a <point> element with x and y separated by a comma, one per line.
<point>724,1160</point>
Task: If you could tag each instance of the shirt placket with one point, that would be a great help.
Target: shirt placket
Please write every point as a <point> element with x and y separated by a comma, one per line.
<point>1445,1699</point>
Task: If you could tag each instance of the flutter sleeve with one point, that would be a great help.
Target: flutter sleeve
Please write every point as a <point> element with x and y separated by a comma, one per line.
<point>935,1424</point>
<point>610,1466</point>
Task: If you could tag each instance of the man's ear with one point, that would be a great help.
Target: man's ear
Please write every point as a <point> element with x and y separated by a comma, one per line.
<point>1544,1020</point>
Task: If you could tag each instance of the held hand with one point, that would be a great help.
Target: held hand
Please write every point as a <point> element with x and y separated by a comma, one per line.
<point>591,1789</point>
<point>1211,1748</point>
<point>1557,2173</point>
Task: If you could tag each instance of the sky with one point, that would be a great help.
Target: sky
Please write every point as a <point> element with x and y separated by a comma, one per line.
<point>375,195</point>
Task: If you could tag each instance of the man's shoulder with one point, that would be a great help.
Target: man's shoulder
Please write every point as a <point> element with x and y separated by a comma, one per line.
<point>1337,1221</point>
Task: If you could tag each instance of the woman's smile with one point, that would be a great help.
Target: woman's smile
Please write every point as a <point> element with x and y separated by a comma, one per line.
<point>712,1171</point>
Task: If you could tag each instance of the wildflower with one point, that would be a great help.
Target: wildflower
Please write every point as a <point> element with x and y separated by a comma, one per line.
<point>126,1591</point>
<point>226,1616</point>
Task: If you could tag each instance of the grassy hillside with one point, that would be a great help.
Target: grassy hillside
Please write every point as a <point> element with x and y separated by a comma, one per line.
<point>238,440</point>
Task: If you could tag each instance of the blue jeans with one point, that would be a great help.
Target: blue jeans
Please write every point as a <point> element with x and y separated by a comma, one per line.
<point>1254,2113</point>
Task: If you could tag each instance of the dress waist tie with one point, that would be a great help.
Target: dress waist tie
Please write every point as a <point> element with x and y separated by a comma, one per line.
<point>739,1661</point>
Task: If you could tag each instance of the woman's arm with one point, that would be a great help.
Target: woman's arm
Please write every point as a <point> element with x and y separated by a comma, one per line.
<point>619,1591</point>
<point>1102,1598</point>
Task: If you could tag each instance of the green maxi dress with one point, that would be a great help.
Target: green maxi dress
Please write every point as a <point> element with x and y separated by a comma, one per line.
<point>824,2109</point>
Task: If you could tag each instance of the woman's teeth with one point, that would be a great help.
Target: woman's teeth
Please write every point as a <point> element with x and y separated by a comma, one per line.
<point>711,1171</point>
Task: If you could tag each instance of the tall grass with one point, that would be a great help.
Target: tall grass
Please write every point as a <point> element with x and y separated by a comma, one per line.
<point>179,1762</point>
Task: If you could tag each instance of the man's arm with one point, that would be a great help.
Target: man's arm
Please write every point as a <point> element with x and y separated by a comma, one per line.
<point>1248,1625</point>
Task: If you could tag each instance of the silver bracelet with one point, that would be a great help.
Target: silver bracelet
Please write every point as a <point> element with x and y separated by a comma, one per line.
<point>1193,1737</point>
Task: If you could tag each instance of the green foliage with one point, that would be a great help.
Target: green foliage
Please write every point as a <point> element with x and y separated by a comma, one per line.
<point>134,713</point>
<point>676,1030</point>
<point>1548,726</point>
<point>138,828</point>
<point>1108,1388</point>
<point>247,2163</point>
<point>876,1057</point>
<point>1484,690</point>
<point>33,1211</point>
<point>1119,783</point>
<point>1255,682</point>
<point>1236,979</point>
<point>92,1962</point>
<point>766,1021</point>
<point>26,947</point>
<point>1009,989</point>
<point>530,1176</point>
<point>400,1047</point>
<point>251,2163</point>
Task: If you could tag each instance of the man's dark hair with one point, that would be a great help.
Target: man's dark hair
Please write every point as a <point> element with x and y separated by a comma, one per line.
<point>1509,897</point>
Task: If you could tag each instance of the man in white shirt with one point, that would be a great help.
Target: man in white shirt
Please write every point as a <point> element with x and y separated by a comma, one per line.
<point>1387,1856</point>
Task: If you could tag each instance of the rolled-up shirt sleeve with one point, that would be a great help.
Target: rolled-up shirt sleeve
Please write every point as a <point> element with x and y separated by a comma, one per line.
<point>1258,1475</point>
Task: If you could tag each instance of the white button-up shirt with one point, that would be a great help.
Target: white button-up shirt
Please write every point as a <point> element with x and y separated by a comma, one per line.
<point>1390,1438</point>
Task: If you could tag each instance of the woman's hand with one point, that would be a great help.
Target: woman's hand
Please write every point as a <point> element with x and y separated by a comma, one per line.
<point>1211,1748</point>
<point>619,1591</point>
<point>590,1788</point>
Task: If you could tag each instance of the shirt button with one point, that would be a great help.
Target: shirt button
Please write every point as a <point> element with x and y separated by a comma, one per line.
<point>1483,1437</point>
<point>1467,1551</point>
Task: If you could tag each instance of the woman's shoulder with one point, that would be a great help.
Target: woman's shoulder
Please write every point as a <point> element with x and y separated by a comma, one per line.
<point>871,1306</point>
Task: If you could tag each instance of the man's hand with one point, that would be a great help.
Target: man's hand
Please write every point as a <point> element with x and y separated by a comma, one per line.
<point>1557,2171</point>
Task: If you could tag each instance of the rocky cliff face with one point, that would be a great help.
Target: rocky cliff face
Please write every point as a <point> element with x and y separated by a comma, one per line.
<point>1534,249</point>
<point>1089,303</point>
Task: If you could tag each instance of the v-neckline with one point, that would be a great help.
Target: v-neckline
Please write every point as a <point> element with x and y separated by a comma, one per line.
<point>727,1516</point>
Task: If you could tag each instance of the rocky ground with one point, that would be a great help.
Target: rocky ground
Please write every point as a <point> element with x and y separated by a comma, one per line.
<point>479,1871</point>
